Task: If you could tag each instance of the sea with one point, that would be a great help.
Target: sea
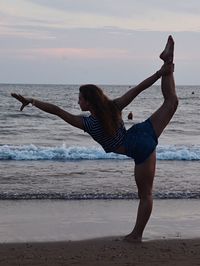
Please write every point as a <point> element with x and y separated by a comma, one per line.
<point>44,158</point>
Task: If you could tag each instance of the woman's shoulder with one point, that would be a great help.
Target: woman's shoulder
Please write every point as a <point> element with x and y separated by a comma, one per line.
<point>90,120</point>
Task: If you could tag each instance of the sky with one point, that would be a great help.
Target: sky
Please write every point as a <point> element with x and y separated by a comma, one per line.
<point>101,42</point>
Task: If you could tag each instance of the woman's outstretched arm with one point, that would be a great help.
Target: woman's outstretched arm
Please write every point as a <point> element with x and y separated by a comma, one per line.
<point>128,97</point>
<point>74,120</point>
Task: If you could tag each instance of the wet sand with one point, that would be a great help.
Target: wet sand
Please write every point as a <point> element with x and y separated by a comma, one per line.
<point>51,220</point>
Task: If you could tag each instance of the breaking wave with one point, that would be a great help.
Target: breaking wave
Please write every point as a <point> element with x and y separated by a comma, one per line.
<point>32,152</point>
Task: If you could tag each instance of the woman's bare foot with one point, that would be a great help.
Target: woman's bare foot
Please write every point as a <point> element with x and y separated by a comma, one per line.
<point>168,54</point>
<point>132,238</point>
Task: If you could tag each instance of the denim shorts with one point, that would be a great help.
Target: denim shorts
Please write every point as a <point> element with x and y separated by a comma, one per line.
<point>140,141</point>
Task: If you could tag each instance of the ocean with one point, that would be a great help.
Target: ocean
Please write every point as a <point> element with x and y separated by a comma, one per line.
<point>43,157</point>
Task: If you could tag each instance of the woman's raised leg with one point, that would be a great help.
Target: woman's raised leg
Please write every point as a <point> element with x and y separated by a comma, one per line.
<point>163,115</point>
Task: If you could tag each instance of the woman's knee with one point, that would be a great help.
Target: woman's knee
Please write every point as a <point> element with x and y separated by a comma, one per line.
<point>145,195</point>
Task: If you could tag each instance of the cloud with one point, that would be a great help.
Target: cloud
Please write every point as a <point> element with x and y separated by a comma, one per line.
<point>135,15</point>
<point>67,53</point>
<point>121,8</point>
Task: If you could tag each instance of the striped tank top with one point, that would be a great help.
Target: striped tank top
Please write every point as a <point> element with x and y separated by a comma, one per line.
<point>94,128</point>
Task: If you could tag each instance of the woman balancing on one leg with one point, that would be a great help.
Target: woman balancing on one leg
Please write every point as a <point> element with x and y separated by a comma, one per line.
<point>145,171</point>
<point>106,126</point>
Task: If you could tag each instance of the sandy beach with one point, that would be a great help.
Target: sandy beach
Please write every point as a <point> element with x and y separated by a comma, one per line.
<point>104,252</point>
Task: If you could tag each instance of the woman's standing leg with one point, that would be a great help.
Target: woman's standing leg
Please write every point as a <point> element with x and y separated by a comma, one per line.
<point>144,176</point>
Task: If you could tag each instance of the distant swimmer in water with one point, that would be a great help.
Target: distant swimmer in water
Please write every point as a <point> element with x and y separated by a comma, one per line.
<point>105,125</point>
<point>130,116</point>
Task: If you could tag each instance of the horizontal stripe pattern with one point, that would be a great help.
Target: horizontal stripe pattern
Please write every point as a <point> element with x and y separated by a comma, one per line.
<point>94,128</point>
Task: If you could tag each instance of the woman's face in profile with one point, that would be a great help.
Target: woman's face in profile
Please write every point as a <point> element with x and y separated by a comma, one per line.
<point>84,105</point>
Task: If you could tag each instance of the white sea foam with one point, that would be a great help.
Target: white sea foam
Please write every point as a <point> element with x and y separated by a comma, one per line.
<point>32,152</point>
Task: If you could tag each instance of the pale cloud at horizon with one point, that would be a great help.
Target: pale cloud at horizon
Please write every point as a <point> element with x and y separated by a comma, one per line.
<point>105,42</point>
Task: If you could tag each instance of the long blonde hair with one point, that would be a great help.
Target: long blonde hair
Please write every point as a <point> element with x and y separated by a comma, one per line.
<point>105,109</point>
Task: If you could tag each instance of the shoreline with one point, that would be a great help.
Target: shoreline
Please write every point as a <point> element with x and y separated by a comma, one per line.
<point>106,251</point>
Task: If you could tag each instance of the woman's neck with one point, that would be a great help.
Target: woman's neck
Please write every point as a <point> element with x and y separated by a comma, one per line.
<point>92,112</point>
